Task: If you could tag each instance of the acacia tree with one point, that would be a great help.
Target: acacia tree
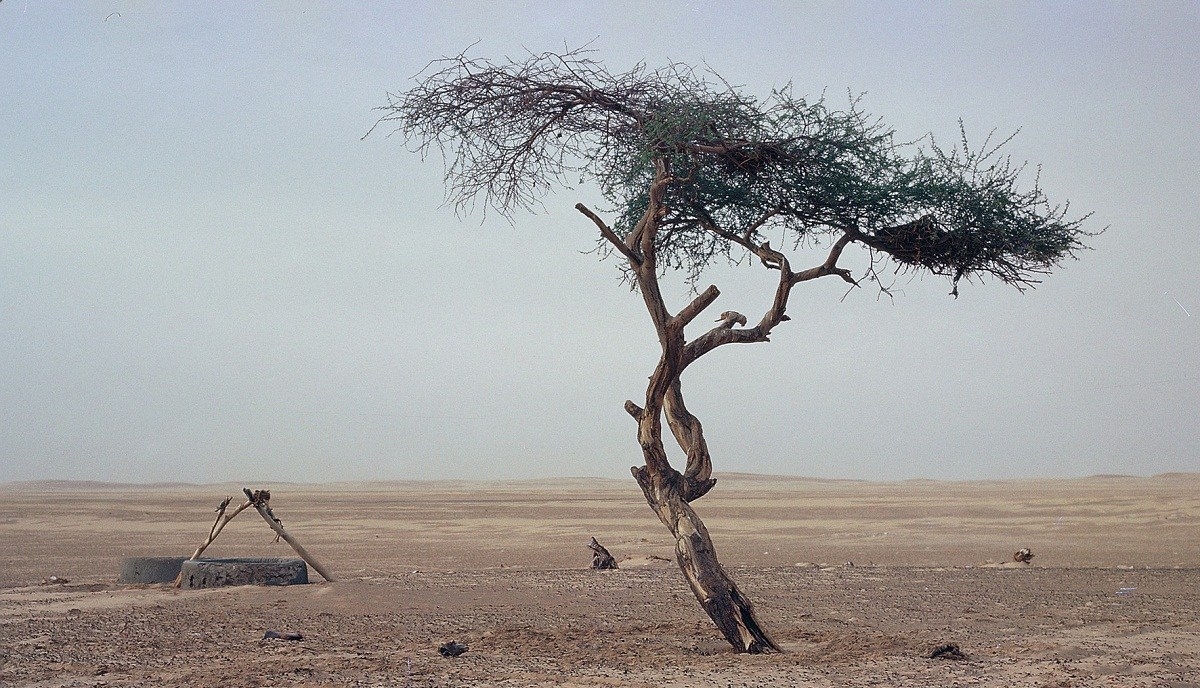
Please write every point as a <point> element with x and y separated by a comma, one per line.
<point>696,171</point>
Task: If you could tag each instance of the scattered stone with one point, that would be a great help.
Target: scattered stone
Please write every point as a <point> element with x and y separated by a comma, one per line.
<point>1023,555</point>
<point>282,635</point>
<point>55,580</point>
<point>452,649</point>
<point>947,651</point>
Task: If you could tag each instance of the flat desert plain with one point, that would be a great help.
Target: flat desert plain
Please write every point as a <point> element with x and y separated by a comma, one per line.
<point>858,581</point>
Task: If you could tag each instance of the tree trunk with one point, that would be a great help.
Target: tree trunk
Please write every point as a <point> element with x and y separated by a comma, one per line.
<point>720,597</point>
<point>668,491</point>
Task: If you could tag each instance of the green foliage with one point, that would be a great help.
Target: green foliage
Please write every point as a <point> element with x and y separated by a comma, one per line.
<point>739,167</point>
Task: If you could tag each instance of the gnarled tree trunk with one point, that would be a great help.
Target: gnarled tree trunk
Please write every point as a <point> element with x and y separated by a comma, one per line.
<point>720,597</point>
<point>668,491</point>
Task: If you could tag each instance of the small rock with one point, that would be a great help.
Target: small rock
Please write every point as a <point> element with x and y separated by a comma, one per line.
<point>947,651</point>
<point>282,635</point>
<point>55,580</point>
<point>452,649</point>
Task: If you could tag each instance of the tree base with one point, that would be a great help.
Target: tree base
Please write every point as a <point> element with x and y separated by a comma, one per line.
<point>718,595</point>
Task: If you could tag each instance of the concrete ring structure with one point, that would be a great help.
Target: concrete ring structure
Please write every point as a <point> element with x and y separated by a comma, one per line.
<point>215,573</point>
<point>150,569</point>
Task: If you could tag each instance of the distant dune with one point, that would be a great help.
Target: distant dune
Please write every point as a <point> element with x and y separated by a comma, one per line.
<point>85,485</point>
<point>1178,476</point>
<point>576,482</point>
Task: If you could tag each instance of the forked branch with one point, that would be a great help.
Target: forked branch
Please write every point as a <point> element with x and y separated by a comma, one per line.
<point>829,267</point>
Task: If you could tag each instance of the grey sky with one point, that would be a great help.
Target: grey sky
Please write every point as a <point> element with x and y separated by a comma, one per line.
<point>206,275</point>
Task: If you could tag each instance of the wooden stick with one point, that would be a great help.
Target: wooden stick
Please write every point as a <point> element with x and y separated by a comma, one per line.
<point>601,559</point>
<point>262,505</point>
<point>218,525</point>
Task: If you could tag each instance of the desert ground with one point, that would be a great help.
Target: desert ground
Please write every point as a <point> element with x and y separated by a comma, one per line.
<point>858,581</point>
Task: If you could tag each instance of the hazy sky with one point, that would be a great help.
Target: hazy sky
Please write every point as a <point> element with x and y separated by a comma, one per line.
<point>205,274</point>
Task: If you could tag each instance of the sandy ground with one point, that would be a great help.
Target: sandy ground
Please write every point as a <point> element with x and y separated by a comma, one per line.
<point>1112,597</point>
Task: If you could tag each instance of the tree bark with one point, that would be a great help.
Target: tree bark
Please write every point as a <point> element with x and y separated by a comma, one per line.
<point>720,597</point>
<point>670,493</point>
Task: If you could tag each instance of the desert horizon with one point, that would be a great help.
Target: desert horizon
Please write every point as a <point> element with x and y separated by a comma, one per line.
<point>757,520</point>
<point>73,483</point>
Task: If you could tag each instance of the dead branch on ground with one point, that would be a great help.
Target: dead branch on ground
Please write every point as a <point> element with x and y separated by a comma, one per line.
<point>601,559</point>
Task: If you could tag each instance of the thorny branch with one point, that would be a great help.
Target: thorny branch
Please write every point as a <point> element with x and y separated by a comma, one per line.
<point>696,170</point>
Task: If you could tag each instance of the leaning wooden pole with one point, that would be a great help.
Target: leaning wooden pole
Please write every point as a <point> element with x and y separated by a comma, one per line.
<point>222,520</point>
<point>260,500</point>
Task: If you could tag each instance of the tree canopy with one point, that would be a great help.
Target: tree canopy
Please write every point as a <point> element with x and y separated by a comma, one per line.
<point>737,167</point>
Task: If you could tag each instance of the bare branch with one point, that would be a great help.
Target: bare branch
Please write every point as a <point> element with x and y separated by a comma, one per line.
<point>608,234</point>
<point>644,236</point>
<point>689,433</point>
<point>750,231</point>
<point>693,309</point>
<point>633,409</point>
<point>829,267</point>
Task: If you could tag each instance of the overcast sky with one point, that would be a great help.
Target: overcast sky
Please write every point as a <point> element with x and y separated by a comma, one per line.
<point>207,275</point>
